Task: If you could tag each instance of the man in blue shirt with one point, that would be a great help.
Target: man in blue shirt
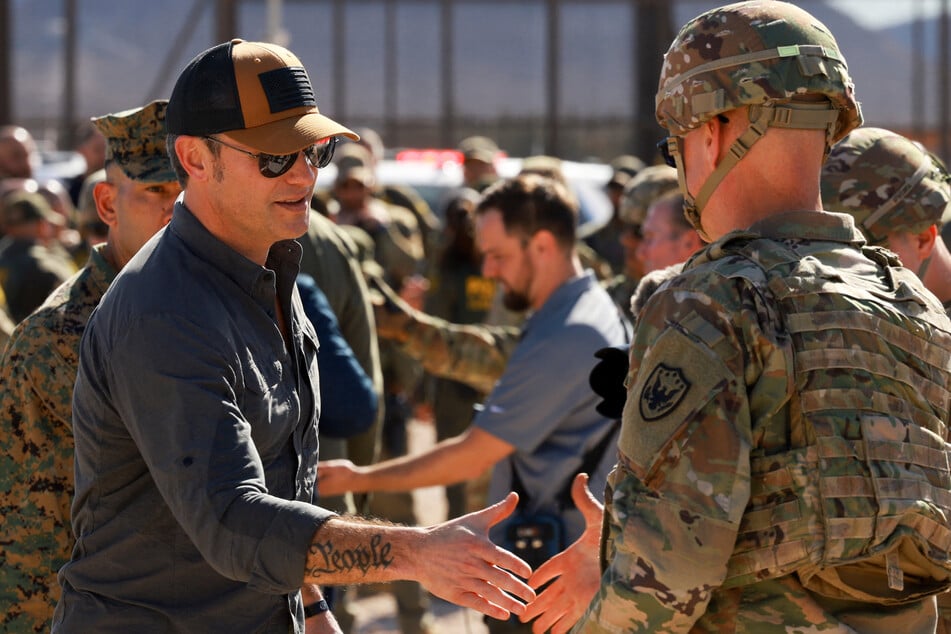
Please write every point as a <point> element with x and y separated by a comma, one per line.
<point>197,399</point>
<point>540,421</point>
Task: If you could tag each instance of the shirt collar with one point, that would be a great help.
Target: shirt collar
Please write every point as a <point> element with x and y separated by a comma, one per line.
<point>101,272</point>
<point>258,281</point>
<point>809,225</point>
<point>563,295</point>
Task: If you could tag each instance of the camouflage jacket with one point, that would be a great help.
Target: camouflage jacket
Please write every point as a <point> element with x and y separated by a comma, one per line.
<point>708,391</point>
<point>37,373</point>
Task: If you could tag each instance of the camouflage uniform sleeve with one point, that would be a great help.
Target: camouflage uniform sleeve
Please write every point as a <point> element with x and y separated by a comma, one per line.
<point>472,354</point>
<point>675,499</point>
<point>36,474</point>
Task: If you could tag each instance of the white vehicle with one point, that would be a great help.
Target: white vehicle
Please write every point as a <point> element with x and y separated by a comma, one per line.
<point>435,174</point>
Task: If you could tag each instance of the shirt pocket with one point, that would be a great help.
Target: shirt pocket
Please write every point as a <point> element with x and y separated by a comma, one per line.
<point>268,403</point>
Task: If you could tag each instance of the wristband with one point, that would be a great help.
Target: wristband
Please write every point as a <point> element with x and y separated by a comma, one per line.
<point>315,608</point>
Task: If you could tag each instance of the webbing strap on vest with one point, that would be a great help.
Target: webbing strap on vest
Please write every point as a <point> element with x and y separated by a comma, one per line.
<point>861,510</point>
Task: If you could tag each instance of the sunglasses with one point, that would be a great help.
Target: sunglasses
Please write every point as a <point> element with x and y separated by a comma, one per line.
<point>273,165</point>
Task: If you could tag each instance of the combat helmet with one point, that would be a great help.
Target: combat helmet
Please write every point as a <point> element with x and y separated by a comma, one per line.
<point>763,54</point>
<point>640,191</point>
<point>887,183</point>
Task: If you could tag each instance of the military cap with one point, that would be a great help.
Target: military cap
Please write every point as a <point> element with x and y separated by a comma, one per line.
<point>352,155</point>
<point>887,183</point>
<point>358,173</point>
<point>639,192</point>
<point>544,165</point>
<point>624,168</point>
<point>135,141</point>
<point>479,148</point>
<point>23,207</point>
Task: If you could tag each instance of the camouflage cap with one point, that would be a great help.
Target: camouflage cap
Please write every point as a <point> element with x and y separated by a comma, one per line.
<point>479,148</point>
<point>761,52</point>
<point>887,183</point>
<point>650,184</point>
<point>22,207</point>
<point>135,141</point>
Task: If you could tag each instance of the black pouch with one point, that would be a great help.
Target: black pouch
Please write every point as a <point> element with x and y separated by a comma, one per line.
<point>535,537</point>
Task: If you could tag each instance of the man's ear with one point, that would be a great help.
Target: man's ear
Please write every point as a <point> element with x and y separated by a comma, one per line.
<point>924,242</point>
<point>716,140</point>
<point>543,243</point>
<point>195,156</point>
<point>105,196</point>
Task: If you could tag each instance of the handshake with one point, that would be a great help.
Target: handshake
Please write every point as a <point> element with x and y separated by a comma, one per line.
<point>566,583</point>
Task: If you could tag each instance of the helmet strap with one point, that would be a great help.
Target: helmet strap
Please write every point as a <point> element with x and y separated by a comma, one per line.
<point>802,116</point>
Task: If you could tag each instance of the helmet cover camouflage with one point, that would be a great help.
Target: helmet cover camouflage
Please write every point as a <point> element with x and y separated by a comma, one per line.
<point>887,183</point>
<point>752,53</point>
<point>135,141</point>
<point>639,192</point>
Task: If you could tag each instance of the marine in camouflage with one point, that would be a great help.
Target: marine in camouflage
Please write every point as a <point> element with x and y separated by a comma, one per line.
<point>887,183</point>
<point>37,373</point>
<point>710,401</point>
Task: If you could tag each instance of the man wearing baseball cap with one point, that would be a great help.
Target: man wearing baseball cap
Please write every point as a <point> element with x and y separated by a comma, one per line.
<point>196,405</point>
<point>38,369</point>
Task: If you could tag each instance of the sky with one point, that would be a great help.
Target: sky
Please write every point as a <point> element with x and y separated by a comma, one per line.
<point>878,13</point>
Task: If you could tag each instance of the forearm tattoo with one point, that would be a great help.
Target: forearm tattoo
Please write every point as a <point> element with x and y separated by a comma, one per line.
<point>328,559</point>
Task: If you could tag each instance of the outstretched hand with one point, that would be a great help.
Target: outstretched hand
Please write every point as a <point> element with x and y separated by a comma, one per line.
<point>335,477</point>
<point>458,563</point>
<point>574,573</point>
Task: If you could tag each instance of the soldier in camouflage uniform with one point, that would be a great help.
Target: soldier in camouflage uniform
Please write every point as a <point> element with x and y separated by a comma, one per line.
<point>639,192</point>
<point>900,197</point>
<point>39,368</point>
<point>782,463</point>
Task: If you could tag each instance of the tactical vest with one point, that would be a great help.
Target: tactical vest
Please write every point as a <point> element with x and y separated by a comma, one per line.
<point>859,507</point>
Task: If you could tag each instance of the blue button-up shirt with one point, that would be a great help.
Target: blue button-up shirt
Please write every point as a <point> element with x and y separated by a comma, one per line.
<point>196,444</point>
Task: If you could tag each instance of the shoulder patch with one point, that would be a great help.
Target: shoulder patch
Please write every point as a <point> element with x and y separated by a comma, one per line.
<point>662,392</point>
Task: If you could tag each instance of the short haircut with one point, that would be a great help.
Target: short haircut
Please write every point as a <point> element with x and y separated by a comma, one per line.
<point>530,203</point>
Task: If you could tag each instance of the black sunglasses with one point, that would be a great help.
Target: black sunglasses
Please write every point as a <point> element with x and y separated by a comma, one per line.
<point>663,146</point>
<point>273,165</point>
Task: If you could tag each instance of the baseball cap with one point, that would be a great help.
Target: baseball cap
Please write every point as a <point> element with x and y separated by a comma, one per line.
<point>358,173</point>
<point>479,148</point>
<point>135,141</point>
<point>352,155</point>
<point>23,207</point>
<point>258,93</point>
